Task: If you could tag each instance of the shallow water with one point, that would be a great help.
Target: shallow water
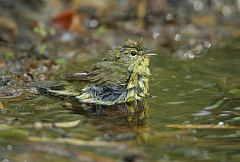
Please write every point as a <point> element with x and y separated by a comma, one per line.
<point>202,91</point>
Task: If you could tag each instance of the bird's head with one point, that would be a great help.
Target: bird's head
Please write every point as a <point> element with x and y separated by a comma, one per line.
<point>134,55</point>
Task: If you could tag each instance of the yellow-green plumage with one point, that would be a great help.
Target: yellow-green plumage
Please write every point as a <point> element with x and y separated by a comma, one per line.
<point>120,77</point>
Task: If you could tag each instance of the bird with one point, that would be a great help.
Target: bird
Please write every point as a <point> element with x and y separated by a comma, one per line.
<point>121,76</point>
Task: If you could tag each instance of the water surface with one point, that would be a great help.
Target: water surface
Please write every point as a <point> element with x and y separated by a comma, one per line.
<point>202,91</point>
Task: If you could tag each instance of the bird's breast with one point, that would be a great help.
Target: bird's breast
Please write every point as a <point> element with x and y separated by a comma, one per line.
<point>142,87</point>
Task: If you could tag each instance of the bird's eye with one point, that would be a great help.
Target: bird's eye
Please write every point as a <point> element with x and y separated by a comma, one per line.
<point>133,53</point>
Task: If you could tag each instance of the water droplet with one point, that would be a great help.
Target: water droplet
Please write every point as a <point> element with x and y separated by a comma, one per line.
<point>178,37</point>
<point>9,147</point>
<point>155,35</point>
<point>38,125</point>
<point>169,17</point>
<point>207,44</point>
<point>67,37</point>
<point>93,23</point>
<point>198,5</point>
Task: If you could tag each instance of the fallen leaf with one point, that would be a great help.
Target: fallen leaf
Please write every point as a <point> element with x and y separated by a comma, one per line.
<point>1,106</point>
<point>201,126</point>
<point>68,20</point>
<point>2,64</point>
<point>64,19</point>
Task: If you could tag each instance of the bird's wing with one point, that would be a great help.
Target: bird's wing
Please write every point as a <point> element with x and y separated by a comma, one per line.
<point>110,74</point>
<point>105,73</point>
<point>76,76</point>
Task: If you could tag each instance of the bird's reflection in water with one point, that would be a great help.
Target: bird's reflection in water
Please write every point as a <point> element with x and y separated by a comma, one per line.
<point>117,120</point>
<point>132,112</point>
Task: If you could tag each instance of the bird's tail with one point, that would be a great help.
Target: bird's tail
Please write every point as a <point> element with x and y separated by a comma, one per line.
<point>60,93</point>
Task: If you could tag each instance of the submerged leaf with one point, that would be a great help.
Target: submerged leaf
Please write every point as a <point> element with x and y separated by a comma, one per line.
<point>64,19</point>
<point>68,124</point>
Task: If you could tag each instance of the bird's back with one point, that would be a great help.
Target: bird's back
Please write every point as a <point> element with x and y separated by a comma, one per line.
<point>110,74</point>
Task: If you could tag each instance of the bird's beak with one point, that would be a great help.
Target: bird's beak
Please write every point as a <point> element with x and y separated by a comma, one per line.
<point>150,54</point>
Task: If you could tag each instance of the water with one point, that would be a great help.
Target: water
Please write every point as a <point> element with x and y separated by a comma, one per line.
<point>202,92</point>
